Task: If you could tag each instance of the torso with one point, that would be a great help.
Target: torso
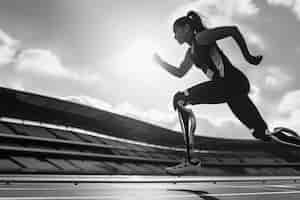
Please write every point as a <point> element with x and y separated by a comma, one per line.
<point>210,59</point>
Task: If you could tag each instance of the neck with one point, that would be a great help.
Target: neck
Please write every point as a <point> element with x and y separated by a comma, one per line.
<point>191,40</point>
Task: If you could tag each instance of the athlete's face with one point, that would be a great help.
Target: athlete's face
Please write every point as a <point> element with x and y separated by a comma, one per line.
<point>181,33</point>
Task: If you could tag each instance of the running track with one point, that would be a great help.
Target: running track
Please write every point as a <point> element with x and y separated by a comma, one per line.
<point>151,188</point>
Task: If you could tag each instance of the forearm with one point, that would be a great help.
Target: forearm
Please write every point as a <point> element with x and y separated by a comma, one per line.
<point>171,69</point>
<point>242,43</point>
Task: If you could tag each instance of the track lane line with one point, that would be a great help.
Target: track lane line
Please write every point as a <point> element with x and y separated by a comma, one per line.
<point>163,196</point>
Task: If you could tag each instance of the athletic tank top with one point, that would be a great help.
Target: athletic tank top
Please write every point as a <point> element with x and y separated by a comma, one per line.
<point>210,59</point>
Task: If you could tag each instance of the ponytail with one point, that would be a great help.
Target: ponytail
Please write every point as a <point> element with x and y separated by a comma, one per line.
<point>193,19</point>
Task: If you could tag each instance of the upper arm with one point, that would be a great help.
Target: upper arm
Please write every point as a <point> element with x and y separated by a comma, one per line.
<point>187,63</point>
<point>210,36</point>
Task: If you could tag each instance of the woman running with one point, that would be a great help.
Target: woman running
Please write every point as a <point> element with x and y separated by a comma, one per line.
<point>227,84</point>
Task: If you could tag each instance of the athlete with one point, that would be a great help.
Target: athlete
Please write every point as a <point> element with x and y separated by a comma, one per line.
<point>227,84</point>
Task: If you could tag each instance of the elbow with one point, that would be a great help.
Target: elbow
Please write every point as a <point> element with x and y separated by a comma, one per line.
<point>235,30</point>
<point>235,27</point>
<point>180,74</point>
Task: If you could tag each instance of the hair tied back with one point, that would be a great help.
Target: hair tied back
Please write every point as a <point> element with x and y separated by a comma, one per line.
<point>191,14</point>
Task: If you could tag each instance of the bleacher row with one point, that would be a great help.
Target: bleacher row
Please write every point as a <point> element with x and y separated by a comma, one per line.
<point>33,149</point>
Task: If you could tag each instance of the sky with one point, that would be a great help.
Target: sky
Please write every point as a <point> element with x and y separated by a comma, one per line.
<point>98,53</point>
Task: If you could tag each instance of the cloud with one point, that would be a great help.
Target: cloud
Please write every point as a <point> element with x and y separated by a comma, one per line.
<point>286,3</point>
<point>155,116</point>
<point>277,79</point>
<point>90,101</point>
<point>228,8</point>
<point>273,78</point>
<point>254,38</point>
<point>296,8</point>
<point>17,85</point>
<point>7,40</point>
<point>290,102</point>
<point>45,63</point>
<point>159,116</point>
<point>290,121</point>
<point>207,125</point>
<point>288,111</point>
<point>12,82</point>
<point>34,60</point>
<point>218,121</point>
<point>8,48</point>
<point>42,62</point>
<point>164,119</point>
<point>255,94</point>
<point>268,85</point>
<point>226,129</point>
<point>294,5</point>
<point>7,54</point>
<point>222,13</point>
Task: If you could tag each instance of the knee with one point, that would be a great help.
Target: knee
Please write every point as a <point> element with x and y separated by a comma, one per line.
<point>248,87</point>
<point>245,87</point>
<point>261,135</point>
<point>256,135</point>
<point>179,99</point>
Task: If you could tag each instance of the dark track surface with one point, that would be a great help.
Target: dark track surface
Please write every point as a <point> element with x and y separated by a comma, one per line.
<point>275,190</point>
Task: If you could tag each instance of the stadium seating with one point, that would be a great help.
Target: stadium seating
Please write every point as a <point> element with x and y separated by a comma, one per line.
<point>84,140</point>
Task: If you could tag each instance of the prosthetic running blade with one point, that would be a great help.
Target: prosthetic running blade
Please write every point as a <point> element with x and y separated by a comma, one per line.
<point>285,136</point>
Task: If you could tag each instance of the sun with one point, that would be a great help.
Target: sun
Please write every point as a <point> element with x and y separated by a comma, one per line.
<point>141,51</point>
<point>138,58</point>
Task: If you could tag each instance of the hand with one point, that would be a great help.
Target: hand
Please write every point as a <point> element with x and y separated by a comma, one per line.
<point>255,60</point>
<point>157,59</point>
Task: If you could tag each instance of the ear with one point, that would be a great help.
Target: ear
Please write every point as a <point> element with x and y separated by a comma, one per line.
<point>187,28</point>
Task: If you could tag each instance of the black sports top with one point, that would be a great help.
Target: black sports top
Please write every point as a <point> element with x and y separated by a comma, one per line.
<point>211,60</point>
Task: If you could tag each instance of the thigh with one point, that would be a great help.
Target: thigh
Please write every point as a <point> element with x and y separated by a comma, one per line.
<point>210,92</point>
<point>236,83</point>
<point>246,111</point>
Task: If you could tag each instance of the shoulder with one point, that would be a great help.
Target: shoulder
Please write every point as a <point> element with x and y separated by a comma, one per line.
<point>211,35</point>
<point>203,36</point>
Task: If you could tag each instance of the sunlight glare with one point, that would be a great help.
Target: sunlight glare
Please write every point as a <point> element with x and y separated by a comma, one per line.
<point>138,58</point>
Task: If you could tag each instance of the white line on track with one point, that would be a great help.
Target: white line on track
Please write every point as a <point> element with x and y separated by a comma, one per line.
<point>259,186</point>
<point>164,196</point>
<point>266,186</point>
<point>79,188</point>
<point>47,189</point>
<point>284,186</point>
<point>253,193</point>
<point>138,179</point>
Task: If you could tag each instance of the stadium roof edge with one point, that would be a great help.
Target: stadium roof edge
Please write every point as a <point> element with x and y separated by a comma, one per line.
<point>34,107</point>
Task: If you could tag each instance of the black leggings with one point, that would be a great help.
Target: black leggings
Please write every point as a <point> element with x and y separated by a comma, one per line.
<point>232,90</point>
